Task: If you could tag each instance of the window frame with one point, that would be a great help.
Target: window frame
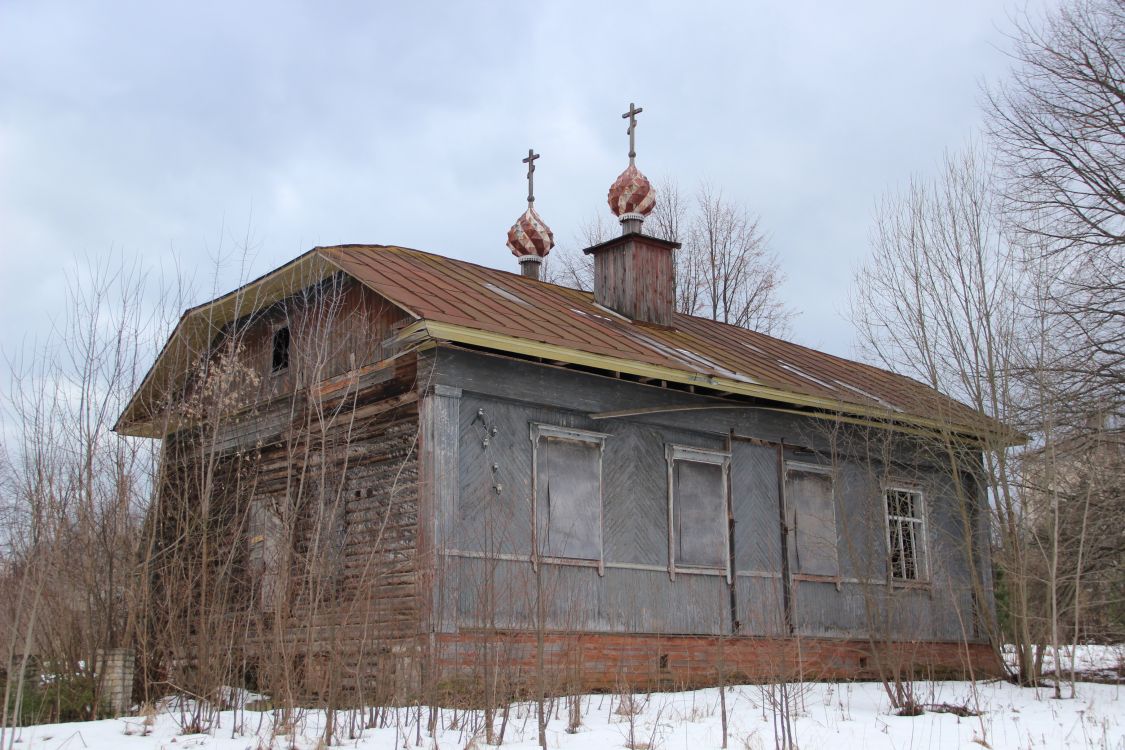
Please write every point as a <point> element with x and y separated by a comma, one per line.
<point>673,453</point>
<point>540,430</point>
<point>829,471</point>
<point>922,566</point>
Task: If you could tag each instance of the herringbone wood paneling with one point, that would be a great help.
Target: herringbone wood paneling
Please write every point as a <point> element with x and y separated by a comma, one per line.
<point>757,529</point>
<point>636,497</point>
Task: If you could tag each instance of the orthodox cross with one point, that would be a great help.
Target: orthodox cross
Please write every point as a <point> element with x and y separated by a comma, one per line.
<point>530,162</point>
<point>631,116</point>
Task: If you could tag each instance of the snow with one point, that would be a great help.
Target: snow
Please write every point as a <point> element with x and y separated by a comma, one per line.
<point>1091,661</point>
<point>839,716</point>
<point>802,374</point>
<point>885,404</point>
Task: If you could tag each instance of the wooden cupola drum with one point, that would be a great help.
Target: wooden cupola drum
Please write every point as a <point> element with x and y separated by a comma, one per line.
<point>634,273</point>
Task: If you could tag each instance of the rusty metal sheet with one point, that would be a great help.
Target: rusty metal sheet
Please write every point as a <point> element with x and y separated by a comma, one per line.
<point>457,292</point>
<point>443,290</point>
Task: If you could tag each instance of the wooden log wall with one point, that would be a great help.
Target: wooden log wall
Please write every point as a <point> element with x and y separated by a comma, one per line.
<point>335,327</point>
<point>336,467</point>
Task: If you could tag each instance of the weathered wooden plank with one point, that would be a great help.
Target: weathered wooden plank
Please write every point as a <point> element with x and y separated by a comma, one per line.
<point>438,497</point>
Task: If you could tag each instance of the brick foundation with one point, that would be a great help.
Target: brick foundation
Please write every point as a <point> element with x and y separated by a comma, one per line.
<point>600,661</point>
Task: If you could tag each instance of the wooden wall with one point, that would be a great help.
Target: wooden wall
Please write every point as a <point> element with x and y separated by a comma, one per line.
<point>335,326</point>
<point>329,450</point>
<point>635,275</point>
<point>485,551</point>
<point>405,480</point>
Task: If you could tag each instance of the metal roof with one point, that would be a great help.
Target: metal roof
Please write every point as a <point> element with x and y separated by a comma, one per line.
<point>457,301</point>
<point>471,299</point>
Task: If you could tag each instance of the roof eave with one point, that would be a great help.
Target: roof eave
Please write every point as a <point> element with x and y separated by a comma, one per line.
<point>510,344</point>
<point>199,324</point>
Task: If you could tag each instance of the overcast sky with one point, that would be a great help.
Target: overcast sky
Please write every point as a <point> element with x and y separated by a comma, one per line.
<point>170,131</point>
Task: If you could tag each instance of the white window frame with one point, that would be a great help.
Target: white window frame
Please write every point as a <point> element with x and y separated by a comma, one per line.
<point>811,468</point>
<point>921,566</point>
<point>540,430</point>
<point>673,453</point>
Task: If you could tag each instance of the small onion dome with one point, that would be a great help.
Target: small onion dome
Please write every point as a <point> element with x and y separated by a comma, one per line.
<point>530,236</point>
<point>631,193</point>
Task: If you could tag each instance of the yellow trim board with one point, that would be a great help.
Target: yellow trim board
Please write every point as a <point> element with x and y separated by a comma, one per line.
<point>825,416</point>
<point>501,342</point>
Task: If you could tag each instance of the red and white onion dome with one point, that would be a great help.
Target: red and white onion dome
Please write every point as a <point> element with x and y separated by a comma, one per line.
<point>631,194</point>
<point>530,236</point>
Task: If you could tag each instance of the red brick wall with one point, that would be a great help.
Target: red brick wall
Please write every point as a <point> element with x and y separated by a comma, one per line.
<point>610,661</point>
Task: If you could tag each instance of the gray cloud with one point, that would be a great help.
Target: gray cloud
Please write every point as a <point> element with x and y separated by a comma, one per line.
<point>165,131</point>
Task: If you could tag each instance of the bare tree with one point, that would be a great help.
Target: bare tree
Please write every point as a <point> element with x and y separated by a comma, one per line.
<point>1058,124</point>
<point>727,272</point>
<point>939,300</point>
<point>1072,478</point>
<point>1058,127</point>
<point>724,269</point>
<point>73,499</point>
<point>283,524</point>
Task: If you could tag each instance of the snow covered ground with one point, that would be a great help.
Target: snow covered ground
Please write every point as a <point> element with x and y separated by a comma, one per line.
<point>843,716</point>
<point>1094,662</point>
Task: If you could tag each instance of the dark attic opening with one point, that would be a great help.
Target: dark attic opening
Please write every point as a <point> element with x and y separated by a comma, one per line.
<point>281,350</point>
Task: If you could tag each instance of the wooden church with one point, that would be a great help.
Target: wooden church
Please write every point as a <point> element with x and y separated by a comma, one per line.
<point>398,463</point>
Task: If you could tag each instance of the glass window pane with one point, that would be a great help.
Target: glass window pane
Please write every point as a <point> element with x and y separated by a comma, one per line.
<point>909,552</point>
<point>896,549</point>
<point>904,534</point>
<point>900,503</point>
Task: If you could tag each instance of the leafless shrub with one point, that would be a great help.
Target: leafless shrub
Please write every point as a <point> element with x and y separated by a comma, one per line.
<point>724,270</point>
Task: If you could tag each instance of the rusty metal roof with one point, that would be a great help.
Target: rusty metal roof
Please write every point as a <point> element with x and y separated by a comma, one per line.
<point>461,302</point>
<point>466,299</point>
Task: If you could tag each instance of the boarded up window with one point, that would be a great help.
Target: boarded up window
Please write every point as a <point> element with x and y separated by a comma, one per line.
<point>266,539</point>
<point>812,521</point>
<point>569,497</point>
<point>327,545</point>
<point>699,512</point>
<point>905,534</point>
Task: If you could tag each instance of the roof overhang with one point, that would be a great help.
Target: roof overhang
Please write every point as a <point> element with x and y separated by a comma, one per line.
<point>621,239</point>
<point>814,406</point>
<point>144,415</point>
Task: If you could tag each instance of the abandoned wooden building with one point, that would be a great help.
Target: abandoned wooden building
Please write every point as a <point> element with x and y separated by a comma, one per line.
<point>428,467</point>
